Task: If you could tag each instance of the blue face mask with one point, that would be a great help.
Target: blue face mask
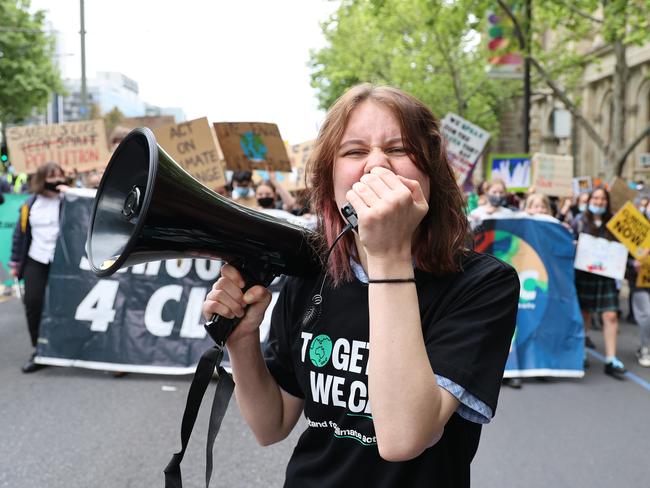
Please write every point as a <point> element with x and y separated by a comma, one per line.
<point>241,191</point>
<point>596,210</point>
<point>582,207</point>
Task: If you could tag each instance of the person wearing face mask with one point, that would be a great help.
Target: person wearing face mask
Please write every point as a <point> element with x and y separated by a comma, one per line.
<point>242,187</point>
<point>266,196</point>
<point>34,242</point>
<point>495,205</point>
<point>599,294</point>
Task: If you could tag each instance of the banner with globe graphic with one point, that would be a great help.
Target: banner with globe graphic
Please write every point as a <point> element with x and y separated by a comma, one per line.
<point>549,337</point>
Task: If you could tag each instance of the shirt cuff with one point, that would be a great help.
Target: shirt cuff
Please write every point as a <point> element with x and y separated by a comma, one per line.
<point>470,408</point>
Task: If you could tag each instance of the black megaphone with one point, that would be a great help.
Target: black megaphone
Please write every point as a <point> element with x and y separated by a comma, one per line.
<point>148,208</point>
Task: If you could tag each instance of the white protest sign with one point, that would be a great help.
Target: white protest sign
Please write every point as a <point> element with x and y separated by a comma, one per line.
<point>464,142</point>
<point>600,256</point>
<point>553,174</point>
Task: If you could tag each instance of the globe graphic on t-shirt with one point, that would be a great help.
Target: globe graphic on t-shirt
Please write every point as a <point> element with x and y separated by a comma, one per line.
<point>320,350</point>
<point>533,277</point>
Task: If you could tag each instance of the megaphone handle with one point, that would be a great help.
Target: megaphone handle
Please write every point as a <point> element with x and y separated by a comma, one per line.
<point>220,327</point>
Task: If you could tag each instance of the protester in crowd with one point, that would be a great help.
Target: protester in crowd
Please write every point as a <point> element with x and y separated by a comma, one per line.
<point>117,135</point>
<point>599,294</point>
<point>92,179</point>
<point>643,205</point>
<point>266,194</point>
<point>537,204</point>
<point>437,317</point>
<point>481,191</point>
<point>242,188</point>
<point>34,242</point>
<point>495,206</point>
<point>569,210</point>
<point>640,303</point>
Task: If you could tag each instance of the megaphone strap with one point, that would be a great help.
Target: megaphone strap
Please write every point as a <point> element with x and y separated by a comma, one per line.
<point>225,386</point>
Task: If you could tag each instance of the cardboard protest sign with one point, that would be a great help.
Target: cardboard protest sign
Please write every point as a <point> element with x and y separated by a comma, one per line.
<point>299,155</point>
<point>192,145</point>
<point>252,145</point>
<point>73,145</point>
<point>553,174</point>
<point>619,193</point>
<point>582,184</point>
<point>631,228</point>
<point>464,142</point>
<point>151,121</point>
<point>513,169</point>
<point>601,257</point>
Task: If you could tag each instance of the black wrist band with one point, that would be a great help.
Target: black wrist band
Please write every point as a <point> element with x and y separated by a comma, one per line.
<point>392,280</point>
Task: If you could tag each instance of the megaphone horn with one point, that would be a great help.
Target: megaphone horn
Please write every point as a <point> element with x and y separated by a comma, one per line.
<point>148,208</point>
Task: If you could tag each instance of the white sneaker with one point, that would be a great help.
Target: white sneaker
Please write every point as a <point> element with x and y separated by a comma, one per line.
<point>643,356</point>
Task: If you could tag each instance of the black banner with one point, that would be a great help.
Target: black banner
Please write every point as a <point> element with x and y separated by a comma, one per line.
<point>145,319</point>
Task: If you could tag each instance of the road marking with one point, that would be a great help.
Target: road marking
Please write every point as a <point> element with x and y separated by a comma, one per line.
<point>639,381</point>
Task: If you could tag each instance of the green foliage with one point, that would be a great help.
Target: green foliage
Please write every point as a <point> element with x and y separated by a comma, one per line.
<point>572,28</point>
<point>27,73</point>
<point>429,48</point>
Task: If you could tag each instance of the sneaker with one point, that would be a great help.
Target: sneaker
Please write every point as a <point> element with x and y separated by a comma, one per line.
<point>513,382</point>
<point>589,344</point>
<point>31,366</point>
<point>643,356</point>
<point>615,369</point>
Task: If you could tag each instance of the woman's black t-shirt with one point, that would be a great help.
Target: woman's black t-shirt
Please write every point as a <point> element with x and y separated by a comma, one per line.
<point>468,319</point>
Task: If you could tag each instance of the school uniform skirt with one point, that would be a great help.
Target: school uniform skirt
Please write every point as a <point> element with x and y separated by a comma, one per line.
<point>596,294</point>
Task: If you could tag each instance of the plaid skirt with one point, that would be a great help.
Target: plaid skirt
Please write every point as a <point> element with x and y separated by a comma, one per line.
<point>596,293</point>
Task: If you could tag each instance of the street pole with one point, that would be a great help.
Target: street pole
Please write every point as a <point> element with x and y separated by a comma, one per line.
<point>526,114</point>
<point>84,94</point>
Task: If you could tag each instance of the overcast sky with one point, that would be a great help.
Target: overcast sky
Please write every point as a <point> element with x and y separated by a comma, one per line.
<point>235,60</point>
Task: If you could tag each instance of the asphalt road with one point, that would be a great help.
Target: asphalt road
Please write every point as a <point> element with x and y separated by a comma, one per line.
<point>74,428</point>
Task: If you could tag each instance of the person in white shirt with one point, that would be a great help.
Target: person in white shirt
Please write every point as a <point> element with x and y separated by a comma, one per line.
<point>34,243</point>
<point>495,206</point>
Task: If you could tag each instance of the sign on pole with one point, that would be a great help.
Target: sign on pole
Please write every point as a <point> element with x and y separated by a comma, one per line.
<point>252,145</point>
<point>73,145</point>
<point>513,169</point>
<point>582,184</point>
<point>193,146</point>
<point>631,228</point>
<point>464,142</point>
<point>619,193</point>
<point>553,174</point>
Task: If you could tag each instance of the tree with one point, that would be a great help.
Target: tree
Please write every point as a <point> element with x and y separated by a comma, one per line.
<point>619,23</point>
<point>112,119</point>
<point>429,48</point>
<point>28,74</point>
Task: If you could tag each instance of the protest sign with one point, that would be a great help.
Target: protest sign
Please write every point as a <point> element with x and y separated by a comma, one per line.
<point>619,193</point>
<point>73,145</point>
<point>9,212</point>
<point>193,146</point>
<point>601,257</point>
<point>643,277</point>
<point>150,121</point>
<point>464,142</point>
<point>513,169</point>
<point>549,337</point>
<point>631,228</point>
<point>144,319</point>
<point>582,184</point>
<point>553,174</point>
<point>299,155</point>
<point>252,145</point>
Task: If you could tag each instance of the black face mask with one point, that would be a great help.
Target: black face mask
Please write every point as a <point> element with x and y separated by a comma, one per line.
<point>266,202</point>
<point>52,185</point>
